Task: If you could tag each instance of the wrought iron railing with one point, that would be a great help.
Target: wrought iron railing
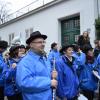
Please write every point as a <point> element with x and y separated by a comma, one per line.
<point>35,4</point>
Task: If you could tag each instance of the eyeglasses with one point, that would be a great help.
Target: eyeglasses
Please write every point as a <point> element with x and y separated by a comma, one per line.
<point>40,42</point>
<point>6,54</point>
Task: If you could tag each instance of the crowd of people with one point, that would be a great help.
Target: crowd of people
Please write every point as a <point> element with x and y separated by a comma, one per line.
<point>29,73</point>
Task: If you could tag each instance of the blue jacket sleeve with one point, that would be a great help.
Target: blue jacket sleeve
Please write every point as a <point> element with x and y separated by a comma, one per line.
<point>29,81</point>
<point>2,64</point>
<point>98,59</point>
<point>60,90</point>
<point>8,72</point>
<point>50,58</point>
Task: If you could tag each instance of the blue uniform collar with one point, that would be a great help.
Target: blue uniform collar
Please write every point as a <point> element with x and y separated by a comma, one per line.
<point>0,54</point>
<point>54,50</point>
<point>35,55</point>
<point>68,62</point>
<point>65,58</point>
<point>14,60</point>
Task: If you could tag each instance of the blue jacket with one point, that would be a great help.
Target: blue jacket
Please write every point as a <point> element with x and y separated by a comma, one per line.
<point>87,80</point>
<point>98,63</point>
<point>2,65</point>
<point>96,52</point>
<point>33,77</point>
<point>80,58</point>
<point>67,78</point>
<point>9,75</point>
<point>53,54</point>
<point>98,59</point>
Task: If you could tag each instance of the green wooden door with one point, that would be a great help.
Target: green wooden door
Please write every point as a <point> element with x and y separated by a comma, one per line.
<point>70,30</point>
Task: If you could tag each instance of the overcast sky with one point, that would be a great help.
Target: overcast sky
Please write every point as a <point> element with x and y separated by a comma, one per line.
<point>17,4</point>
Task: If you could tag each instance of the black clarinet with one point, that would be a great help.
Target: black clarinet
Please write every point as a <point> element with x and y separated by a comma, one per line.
<point>54,90</point>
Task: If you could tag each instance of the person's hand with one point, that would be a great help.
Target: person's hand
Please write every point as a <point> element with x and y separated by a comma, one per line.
<point>57,98</point>
<point>65,98</point>
<point>14,65</point>
<point>54,74</point>
<point>54,83</point>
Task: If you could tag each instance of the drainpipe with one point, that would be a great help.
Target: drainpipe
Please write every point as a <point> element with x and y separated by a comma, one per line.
<point>43,2</point>
<point>98,9</point>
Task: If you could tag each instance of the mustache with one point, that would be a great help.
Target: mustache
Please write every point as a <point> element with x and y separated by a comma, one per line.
<point>43,46</point>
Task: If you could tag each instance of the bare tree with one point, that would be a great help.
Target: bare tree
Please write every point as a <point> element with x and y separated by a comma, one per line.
<point>4,11</point>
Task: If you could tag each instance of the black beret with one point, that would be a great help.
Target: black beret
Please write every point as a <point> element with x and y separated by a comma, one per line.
<point>3,44</point>
<point>22,46</point>
<point>64,48</point>
<point>13,48</point>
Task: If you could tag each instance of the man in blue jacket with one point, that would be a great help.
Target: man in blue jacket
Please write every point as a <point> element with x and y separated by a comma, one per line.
<point>54,53</point>
<point>34,71</point>
<point>3,46</point>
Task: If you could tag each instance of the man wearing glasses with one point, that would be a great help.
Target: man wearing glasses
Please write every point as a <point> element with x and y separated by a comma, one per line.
<point>34,71</point>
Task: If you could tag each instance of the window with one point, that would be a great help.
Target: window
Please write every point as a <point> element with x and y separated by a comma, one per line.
<point>31,30</point>
<point>76,38</point>
<point>11,36</point>
<point>70,29</point>
<point>0,37</point>
<point>28,32</point>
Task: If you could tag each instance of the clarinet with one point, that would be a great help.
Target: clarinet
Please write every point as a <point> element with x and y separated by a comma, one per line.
<point>13,80</point>
<point>54,90</point>
<point>7,61</point>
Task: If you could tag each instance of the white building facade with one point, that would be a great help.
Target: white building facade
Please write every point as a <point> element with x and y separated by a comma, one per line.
<point>61,20</point>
